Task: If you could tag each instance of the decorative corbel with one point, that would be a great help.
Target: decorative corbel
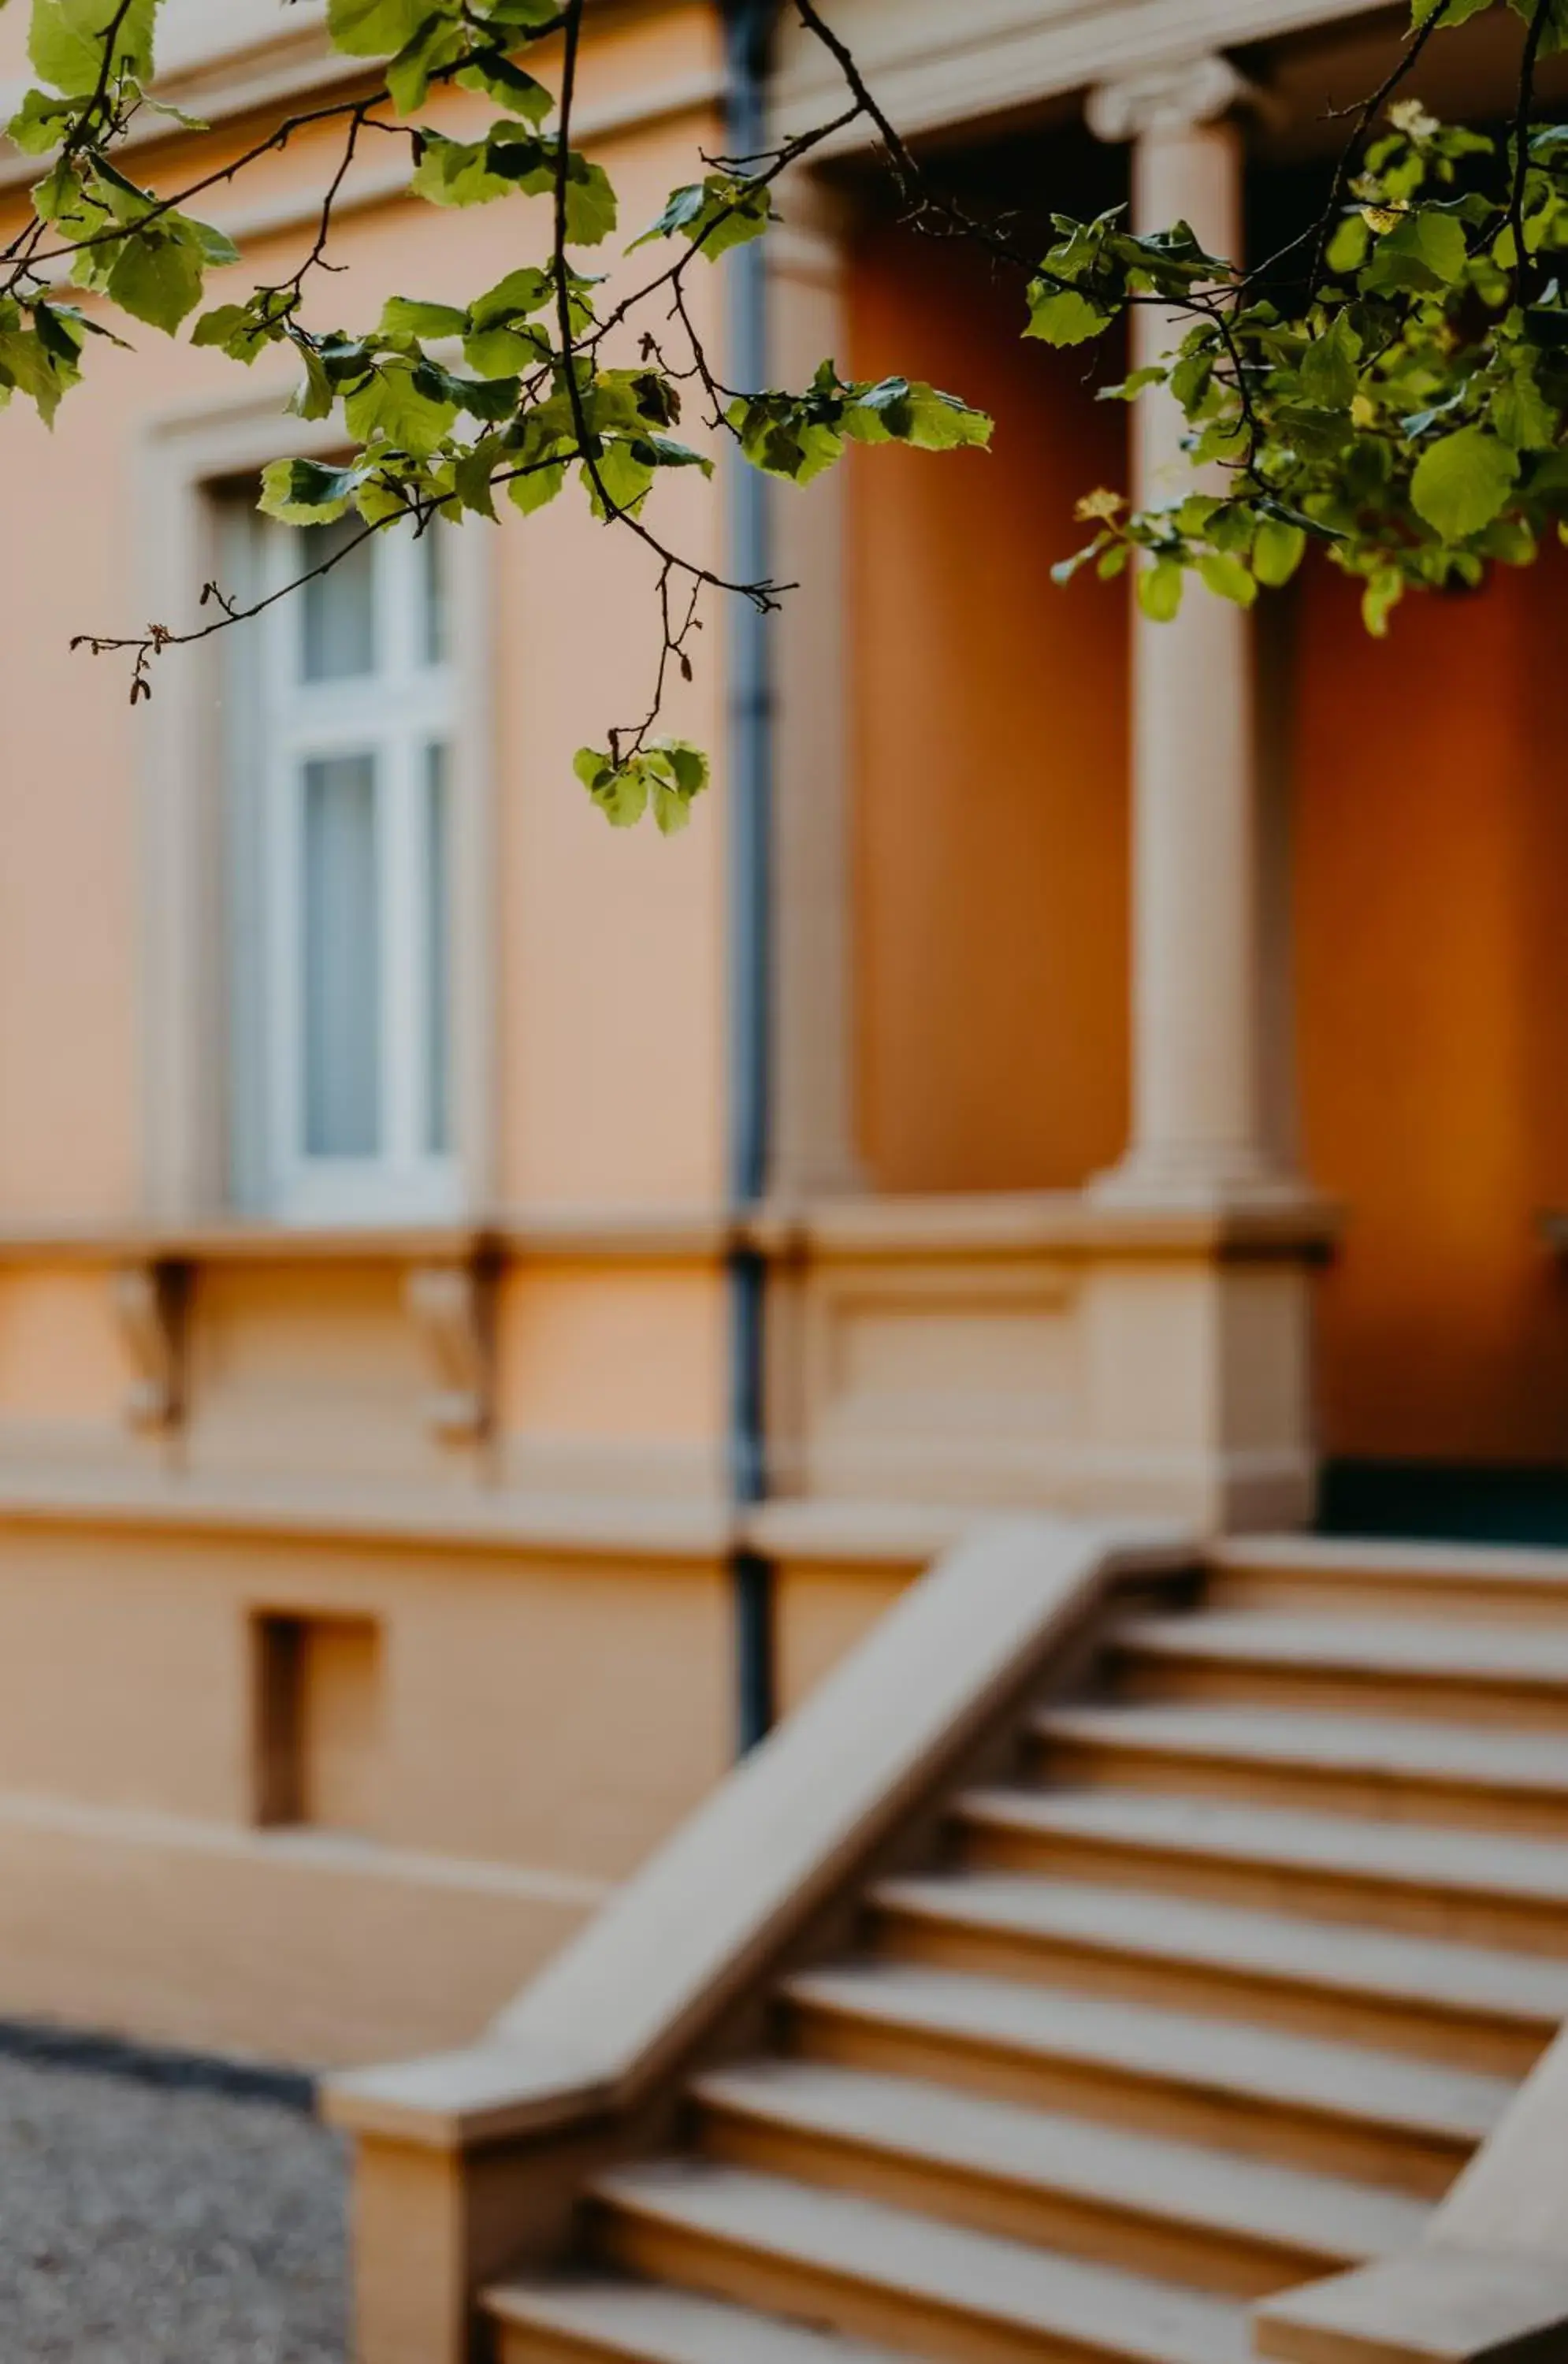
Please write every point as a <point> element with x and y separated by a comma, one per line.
<point>149,1300</point>
<point>450,1306</point>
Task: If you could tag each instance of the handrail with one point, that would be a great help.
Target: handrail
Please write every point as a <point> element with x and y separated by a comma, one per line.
<point>784,1833</point>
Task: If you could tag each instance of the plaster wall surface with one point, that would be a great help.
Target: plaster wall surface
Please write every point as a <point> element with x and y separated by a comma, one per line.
<point>991,753</point>
<point>502,1737</point>
<point>1432,923</point>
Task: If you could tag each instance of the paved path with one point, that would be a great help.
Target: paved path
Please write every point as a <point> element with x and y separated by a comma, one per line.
<point>147,2226</point>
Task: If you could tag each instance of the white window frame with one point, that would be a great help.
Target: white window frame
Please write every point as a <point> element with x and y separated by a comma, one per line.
<point>183,747</point>
<point>405,705</point>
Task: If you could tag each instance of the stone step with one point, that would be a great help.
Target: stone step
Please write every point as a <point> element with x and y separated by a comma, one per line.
<point>1391,1767</point>
<point>1475,2006</point>
<point>1189,2214</point>
<point>868,2271</point>
<point>1336,2108</point>
<point>1479,1887</point>
<point>645,2323</point>
<point>1408,1579</point>
<point>1496,1673</point>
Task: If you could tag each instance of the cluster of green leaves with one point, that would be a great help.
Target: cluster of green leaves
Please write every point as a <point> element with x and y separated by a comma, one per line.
<point>797,436</point>
<point>721,210</point>
<point>442,407</point>
<point>1096,268</point>
<point>149,259</point>
<point>664,776</point>
<point>1410,418</point>
<point>1554,31</point>
<point>40,350</point>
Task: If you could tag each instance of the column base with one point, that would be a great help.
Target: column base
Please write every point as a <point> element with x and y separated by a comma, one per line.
<point>1197,1394</point>
<point>1182,1179</point>
<point>1057,1352</point>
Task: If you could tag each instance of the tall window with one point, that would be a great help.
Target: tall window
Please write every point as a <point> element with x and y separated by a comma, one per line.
<point>341,873</point>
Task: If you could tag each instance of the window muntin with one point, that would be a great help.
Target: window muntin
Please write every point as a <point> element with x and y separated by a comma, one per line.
<point>352,777</point>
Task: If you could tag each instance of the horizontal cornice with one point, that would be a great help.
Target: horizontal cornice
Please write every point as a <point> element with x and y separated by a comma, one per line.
<point>1070,1224</point>
<point>933,64</point>
<point>235,74</point>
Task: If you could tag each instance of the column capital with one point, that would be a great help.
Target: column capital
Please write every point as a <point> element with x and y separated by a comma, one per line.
<point>1170,96</point>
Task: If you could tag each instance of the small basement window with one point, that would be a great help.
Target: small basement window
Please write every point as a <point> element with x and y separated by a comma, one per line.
<point>318,1723</point>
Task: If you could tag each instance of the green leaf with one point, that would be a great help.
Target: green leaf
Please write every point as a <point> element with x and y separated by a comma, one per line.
<point>403,315</point>
<point>1160,589</point>
<point>518,93</point>
<point>1522,416</point>
<point>723,211</point>
<point>1329,366</point>
<point>513,298</point>
<point>401,404</point>
<point>1380,598</point>
<point>237,331</point>
<point>305,491</point>
<point>41,123</point>
<point>620,791</point>
<point>377,28</point>
<point>435,45</point>
<point>457,172</point>
<point>1277,552</point>
<point>68,39</point>
<point>1348,247</point>
<point>1555,35</point>
<point>591,211</point>
<point>671,811</point>
<point>1426,250</point>
<point>1228,578</point>
<point>688,763</point>
<point>538,486</point>
<point>900,411</point>
<point>1461,483</point>
<point>668,453</point>
<point>1458,12</point>
<point>157,277</point>
<point>1061,316</point>
<point>620,479</point>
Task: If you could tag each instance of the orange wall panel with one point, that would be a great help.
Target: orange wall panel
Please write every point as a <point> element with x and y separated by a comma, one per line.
<point>1431,920</point>
<point>992,753</point>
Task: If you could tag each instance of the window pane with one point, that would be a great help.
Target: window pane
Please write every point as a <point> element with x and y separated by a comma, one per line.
<point>438,953</point>
<point>342,959</point>
<point>433,594</point>
<point>338,610</point>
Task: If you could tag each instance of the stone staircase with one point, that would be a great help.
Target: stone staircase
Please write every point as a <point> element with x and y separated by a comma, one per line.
<point>1216,1996</point>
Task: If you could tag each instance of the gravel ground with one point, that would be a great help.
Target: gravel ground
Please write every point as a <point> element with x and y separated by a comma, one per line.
<point>147,2225</point>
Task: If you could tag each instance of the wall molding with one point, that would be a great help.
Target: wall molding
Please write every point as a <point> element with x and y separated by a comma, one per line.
<point>933,66</point>
<point>326,1852</point>
<point>412,1518</point>
<point>960,1226</point>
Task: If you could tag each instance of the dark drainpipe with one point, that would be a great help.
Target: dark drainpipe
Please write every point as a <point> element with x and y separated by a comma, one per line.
<point>748,26</point>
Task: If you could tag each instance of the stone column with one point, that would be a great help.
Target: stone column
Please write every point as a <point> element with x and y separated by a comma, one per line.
<point>1199,1130</point>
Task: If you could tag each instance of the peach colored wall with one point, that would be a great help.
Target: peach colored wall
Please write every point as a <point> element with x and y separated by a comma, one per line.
<point>820,1615</point>
<point>609,1049</point>
<point>60,1356</point>
<point>562,1715</point>
<point>1432,916</point>
<point>991,754</point>
<point>263,1945</point>
<point>628,1353</point>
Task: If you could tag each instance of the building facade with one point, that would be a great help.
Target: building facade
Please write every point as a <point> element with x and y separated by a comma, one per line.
<point>1163,1108</point>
